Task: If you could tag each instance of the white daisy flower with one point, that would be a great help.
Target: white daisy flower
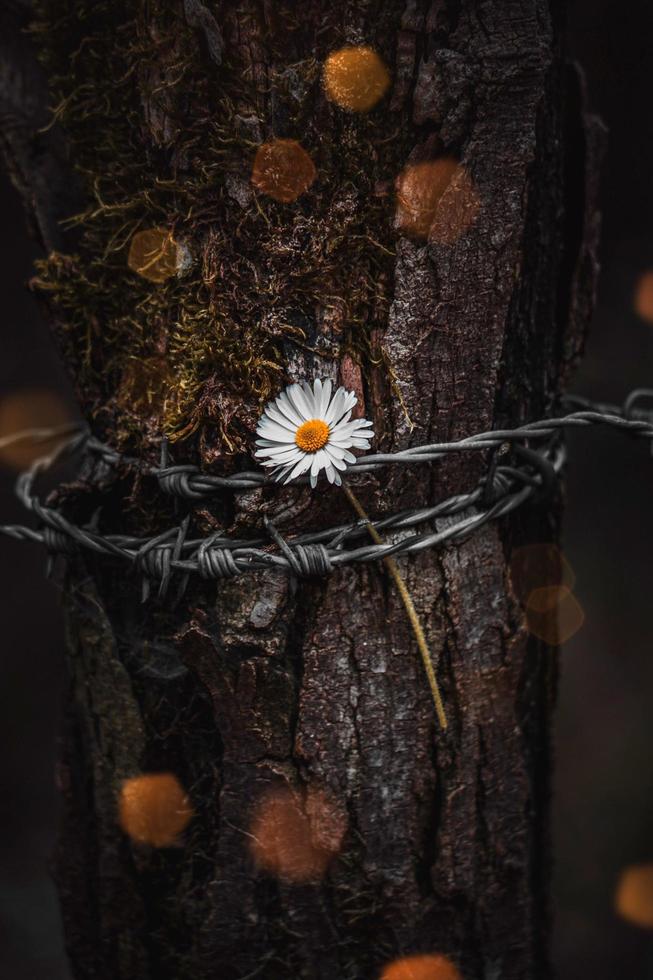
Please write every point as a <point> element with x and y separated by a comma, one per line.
<point>305,429</point>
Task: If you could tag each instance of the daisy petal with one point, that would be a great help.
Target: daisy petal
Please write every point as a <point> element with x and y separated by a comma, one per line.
<point>315,465</point>
<point>326,397</point>
<point>299,400</point>
<point>317,397</point>
<point>336,409</point>
<point>351,429</point>
<point>279,450</point>
<point>311,400</point>
<point>281,472</point>
<point>272,430</point>
<point>275,414</point>
<point>299,469</point>
<point>276,461</point>
<point>269,443</point>
<point>285,406</point>
<point>350,400</point>
<point>274,464</point>
<point>339,464</point>
<point>344,442</point>
<point>336,451</point>
<point>346,428</point>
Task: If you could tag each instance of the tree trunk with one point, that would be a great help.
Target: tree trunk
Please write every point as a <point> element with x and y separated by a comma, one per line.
<point>440,839</point>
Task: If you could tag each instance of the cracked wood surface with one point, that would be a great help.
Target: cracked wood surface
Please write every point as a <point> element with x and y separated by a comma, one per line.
<point>442,841</point>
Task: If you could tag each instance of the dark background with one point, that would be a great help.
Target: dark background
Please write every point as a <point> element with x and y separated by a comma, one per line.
<point>603,802</point>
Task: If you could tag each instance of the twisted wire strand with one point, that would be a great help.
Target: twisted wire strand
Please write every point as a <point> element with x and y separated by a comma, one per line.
<point>525,463</point>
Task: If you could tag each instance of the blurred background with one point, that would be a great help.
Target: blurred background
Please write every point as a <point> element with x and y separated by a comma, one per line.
<point>603,794</point>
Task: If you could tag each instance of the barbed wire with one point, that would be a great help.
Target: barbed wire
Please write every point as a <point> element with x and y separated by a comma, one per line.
<point>524,463</point>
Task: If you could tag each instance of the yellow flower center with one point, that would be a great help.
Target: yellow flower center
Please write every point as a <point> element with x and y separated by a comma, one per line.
<point>312,435</point>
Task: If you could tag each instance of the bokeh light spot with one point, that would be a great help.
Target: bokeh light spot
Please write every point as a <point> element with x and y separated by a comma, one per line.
<point>295,836</point>
<point>147,386</point>
<point>419,190</point>
<point>35,408</point>
<point>436,200</point>
<point>154,809</point>
<point>154,254</point>
<point>553,614</point>
<point>425,967</point>
<point>283,170</point>
<point>546,598</point>
<point>634,895</point>
<point>536,566</point>
<point>355,78</point>
<point>643,299</point>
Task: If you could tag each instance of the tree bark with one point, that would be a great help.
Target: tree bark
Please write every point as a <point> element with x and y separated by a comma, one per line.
<point>441,839</point>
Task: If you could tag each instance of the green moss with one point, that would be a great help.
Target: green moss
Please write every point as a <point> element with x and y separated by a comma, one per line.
<point>260,269</point>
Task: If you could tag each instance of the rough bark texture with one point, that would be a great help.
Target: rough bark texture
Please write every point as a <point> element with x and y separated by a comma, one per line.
<point>441,839</point>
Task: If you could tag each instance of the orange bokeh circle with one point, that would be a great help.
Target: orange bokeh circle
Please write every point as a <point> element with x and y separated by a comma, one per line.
<point>424,967</point>
<point>30,408</point>
<point>643,298</point>
<point>154,809</point>
<point>147,386</point>
<point>294,835</point>
<point>355,78</point>
<point>153,254</point>
<point>634,895</point>
<point>436,200</point>
<point>283,170</point>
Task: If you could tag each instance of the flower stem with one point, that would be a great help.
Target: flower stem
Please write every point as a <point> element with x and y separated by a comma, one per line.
<point>409,606</point>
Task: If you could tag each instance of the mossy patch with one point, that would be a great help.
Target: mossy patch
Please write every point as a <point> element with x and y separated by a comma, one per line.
<point>161,136</point>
